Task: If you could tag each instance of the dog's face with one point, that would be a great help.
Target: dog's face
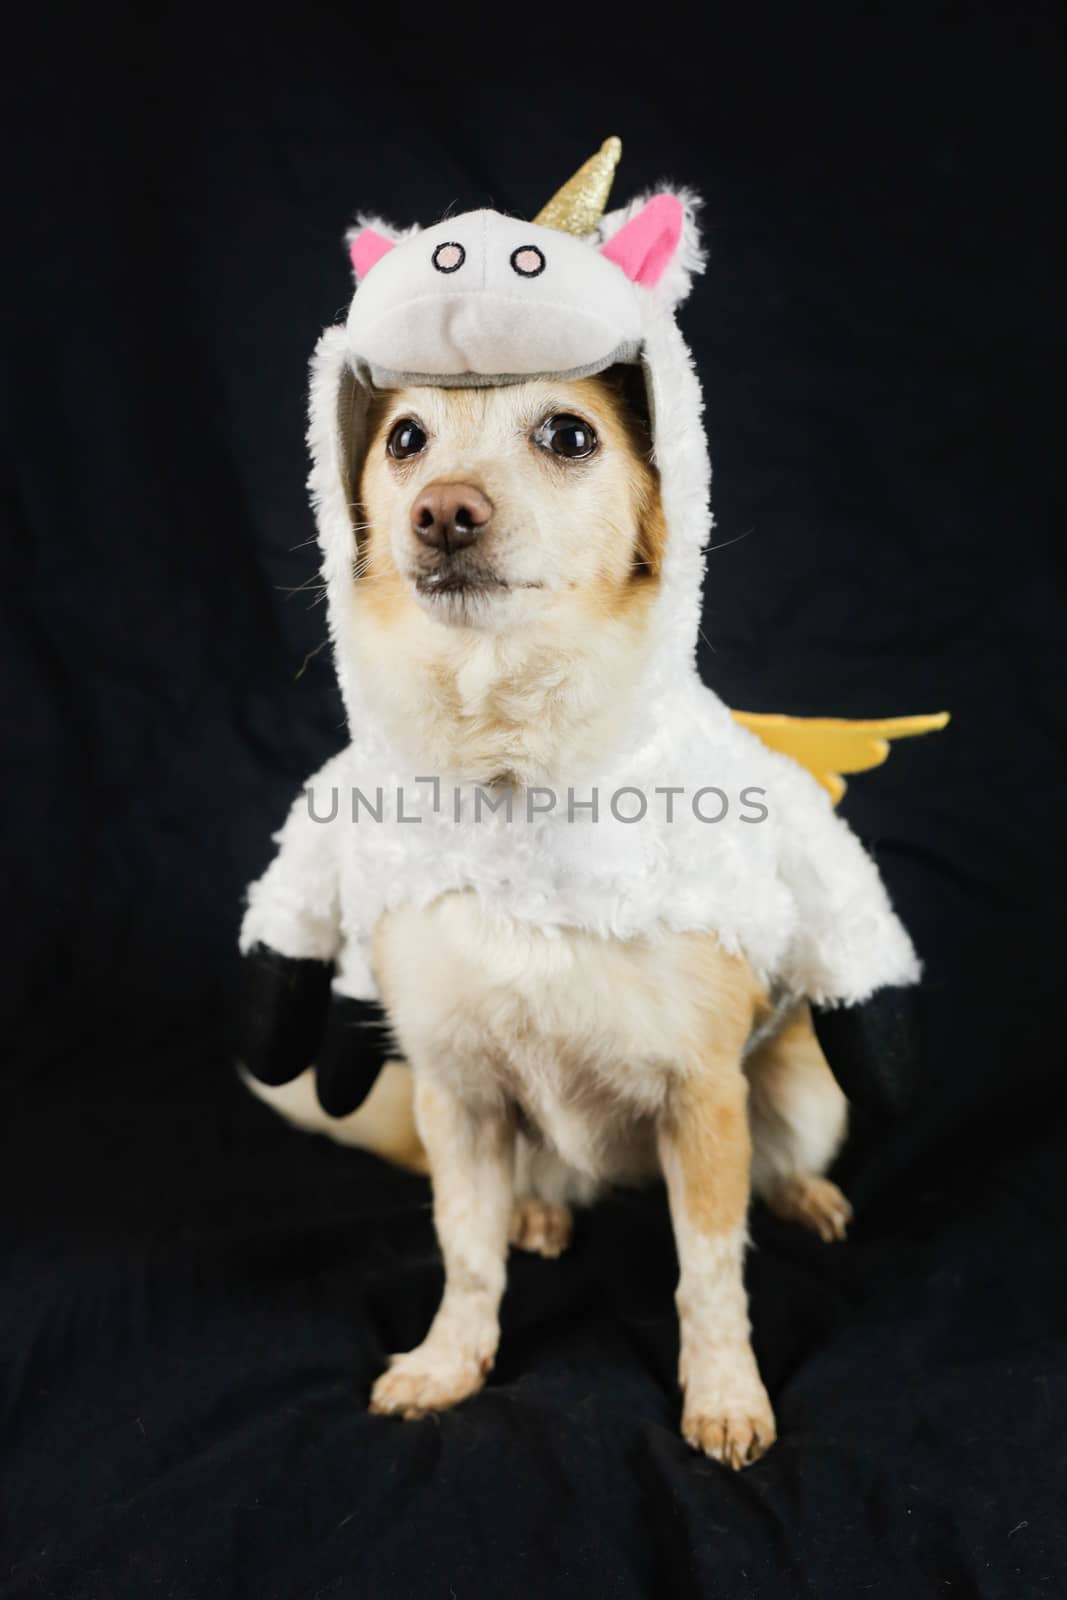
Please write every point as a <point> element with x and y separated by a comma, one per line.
<point>491,508</point>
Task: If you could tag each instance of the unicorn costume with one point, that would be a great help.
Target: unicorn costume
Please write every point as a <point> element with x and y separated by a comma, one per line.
<point>693,822</point>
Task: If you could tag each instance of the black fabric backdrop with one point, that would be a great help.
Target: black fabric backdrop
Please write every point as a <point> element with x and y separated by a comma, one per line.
<point>195,1298</point>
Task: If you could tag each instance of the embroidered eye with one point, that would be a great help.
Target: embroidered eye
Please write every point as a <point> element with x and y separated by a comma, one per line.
<point>566,436</point>
<point>449,257</point>
<point>527,261</point>
<point>406,439</point>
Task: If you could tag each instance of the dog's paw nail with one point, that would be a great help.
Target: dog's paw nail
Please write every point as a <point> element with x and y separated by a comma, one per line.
<point>734,1438</point>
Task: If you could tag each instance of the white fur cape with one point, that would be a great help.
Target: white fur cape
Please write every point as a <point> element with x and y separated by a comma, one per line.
<point>487,299</point>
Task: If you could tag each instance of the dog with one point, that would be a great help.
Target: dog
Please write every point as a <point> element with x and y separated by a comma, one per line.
<point>510,543</point>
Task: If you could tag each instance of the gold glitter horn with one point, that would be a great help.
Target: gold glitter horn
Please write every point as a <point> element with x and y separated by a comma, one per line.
<point>579,205</point>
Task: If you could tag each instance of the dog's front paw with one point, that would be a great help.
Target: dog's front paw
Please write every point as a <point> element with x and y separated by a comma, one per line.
<point>729,1420</point>
<point>427,1379</point>
<point>736,1438</point>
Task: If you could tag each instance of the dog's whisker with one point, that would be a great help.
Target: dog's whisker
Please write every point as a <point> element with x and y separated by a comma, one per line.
<point>726,543</point>
<point>309,658</point>
<point>300,588</point>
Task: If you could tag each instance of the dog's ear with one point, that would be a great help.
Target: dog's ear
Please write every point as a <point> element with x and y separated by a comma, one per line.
<point>656,243</point>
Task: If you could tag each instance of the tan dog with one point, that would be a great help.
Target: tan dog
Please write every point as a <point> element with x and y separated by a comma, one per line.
<point>510,548</point>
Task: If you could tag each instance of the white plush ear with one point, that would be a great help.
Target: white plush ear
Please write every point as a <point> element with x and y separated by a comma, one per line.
<point>656,242</point>
<point>335,437</point>
<point>370,240</point>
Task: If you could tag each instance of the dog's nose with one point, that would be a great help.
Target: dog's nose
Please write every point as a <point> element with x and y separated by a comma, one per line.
<point>450,516</point>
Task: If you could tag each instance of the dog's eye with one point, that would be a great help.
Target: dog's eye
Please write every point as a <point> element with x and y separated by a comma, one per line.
<point>566,436</point>
<point>406,439</point>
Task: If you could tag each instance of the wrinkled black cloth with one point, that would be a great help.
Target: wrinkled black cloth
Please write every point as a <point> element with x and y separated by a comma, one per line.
<point>874,1049</point>
<point>195,1298</point>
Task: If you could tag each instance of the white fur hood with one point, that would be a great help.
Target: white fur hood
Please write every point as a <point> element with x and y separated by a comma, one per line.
<point>698,824</point>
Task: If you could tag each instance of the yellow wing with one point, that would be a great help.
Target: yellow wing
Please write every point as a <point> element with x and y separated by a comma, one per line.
<point>829,746</point>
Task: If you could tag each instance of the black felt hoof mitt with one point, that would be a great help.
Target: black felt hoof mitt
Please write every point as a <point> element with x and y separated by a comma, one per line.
<point>351,1054</point>
<point>288,1019</point>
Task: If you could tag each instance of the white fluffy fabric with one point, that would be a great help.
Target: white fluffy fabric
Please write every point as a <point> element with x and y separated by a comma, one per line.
<point>795,892</point>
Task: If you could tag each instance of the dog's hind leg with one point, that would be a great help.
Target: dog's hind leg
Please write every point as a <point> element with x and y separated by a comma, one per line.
<point>383,1124</point>
<point>798,1117</point>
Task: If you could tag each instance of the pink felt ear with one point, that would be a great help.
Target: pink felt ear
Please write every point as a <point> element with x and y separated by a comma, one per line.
<point>367,249</point>
<point>644,246</point>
